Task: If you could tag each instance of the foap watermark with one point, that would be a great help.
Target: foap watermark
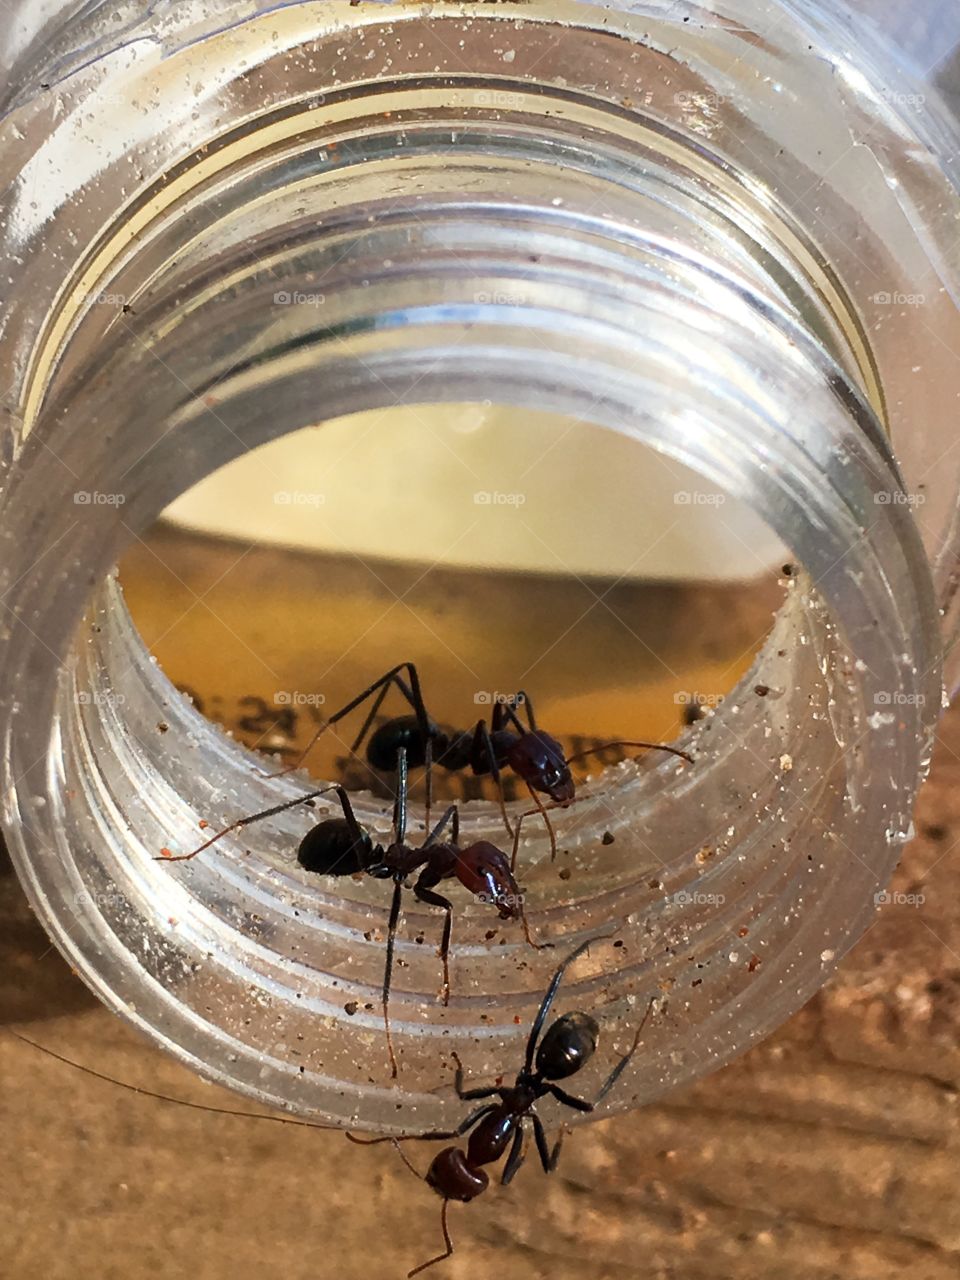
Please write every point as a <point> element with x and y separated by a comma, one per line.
<point>88,498</point>
<point>897,698</point>
<point>697,99</point>
<point>107,299</point>
<point>98,898</point>
<point>501,298</point>
<point>894,897</point>
<point>501,899</point>
<point>494,498</point>
<point>705,700</point>
<point>297,298</point>
<point>897,98</point>
<point>493,98</point>
<point>884,298</point>
<point>696,898</point>
<point>698,498</point>
<point>99,698</point>
<point>488,698</point>
<point>897,498</point>
<point>294,698</point>
<point>299,498</point>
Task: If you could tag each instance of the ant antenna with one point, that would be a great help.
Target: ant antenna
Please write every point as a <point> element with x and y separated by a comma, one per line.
<point>441,1257</point>
<point>541,809</point>
<point>163,1097</point>
<point>649,746</point>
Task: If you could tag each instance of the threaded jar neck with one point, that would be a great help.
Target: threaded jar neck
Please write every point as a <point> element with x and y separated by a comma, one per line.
<point>519,232</point>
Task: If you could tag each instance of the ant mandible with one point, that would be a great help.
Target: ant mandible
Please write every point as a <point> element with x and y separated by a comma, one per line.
<point>567,1046</point>
<point>530,752</point>
<point>340,847</point>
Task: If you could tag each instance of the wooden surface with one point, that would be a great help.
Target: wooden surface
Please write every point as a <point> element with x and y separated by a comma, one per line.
<point>830,1151</point>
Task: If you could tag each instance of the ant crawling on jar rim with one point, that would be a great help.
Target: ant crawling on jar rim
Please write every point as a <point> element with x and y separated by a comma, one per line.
<point>498,1128</point>
<point>551,1055</point>
<point>340,847</point>
<point>534,755</point>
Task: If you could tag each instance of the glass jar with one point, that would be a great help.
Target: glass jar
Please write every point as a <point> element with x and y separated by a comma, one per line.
<point>726,231</point>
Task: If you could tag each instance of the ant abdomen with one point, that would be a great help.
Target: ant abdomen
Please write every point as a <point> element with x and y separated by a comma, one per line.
<point>567,1045</point>
<point>332,849</point>
<point>452,1177</point>
<point>403,732</point>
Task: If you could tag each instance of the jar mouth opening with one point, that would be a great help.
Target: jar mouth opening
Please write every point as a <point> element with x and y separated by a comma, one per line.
<point>689,319</point>
<point>132,792</point>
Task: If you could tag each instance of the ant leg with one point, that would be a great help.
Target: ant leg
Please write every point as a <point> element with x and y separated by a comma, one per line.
<point>523,699</point>
<point>550,995</point>
<point>437,1135</point>
<point>166,856</point>
<point>427,781</point>
<point>537,946</point>
<point>546,822</point>
<point>425,894</point>
<point>615,1074</point>
<point>400,800</point>
<point>514,1159</point>
<point>448,1246</point>
<point>411,694</point>
<point>357,833</point>
<point>548,1158</point>
<point>568,1100</point>
<point>649,746</point>
<point>482,746</point>
<point>516,840</point>
<point>381,685</point>
<point>450,814</point>
<point>468,1095</point>
<point>388,971</point>
<point>372,713</point>
<point>506,712</point>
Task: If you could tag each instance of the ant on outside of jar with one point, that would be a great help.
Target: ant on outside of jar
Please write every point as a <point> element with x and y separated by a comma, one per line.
<point>564,1049</point>
<point>340,847</point>
<point>530,752</point>
<point>566,1046</point>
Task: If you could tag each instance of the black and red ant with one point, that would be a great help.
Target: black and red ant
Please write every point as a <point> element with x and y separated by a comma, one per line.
<point>340,847</point>
<point>566,1046</point>
<point>531,753</point>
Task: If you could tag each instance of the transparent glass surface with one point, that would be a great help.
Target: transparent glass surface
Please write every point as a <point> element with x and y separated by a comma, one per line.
<point>723,232</point>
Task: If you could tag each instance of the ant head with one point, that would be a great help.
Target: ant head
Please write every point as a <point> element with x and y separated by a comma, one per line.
<point>332,849</point>
<point>451,1176</point>
<point>485,871</point>
<point>540,762</point>
<point>567,1045</point>
<point>402,732</point>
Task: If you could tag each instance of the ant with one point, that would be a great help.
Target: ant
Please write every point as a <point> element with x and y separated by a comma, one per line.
<point>530,752</point>
<point>340,847</point>
<point>566,1046</point>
